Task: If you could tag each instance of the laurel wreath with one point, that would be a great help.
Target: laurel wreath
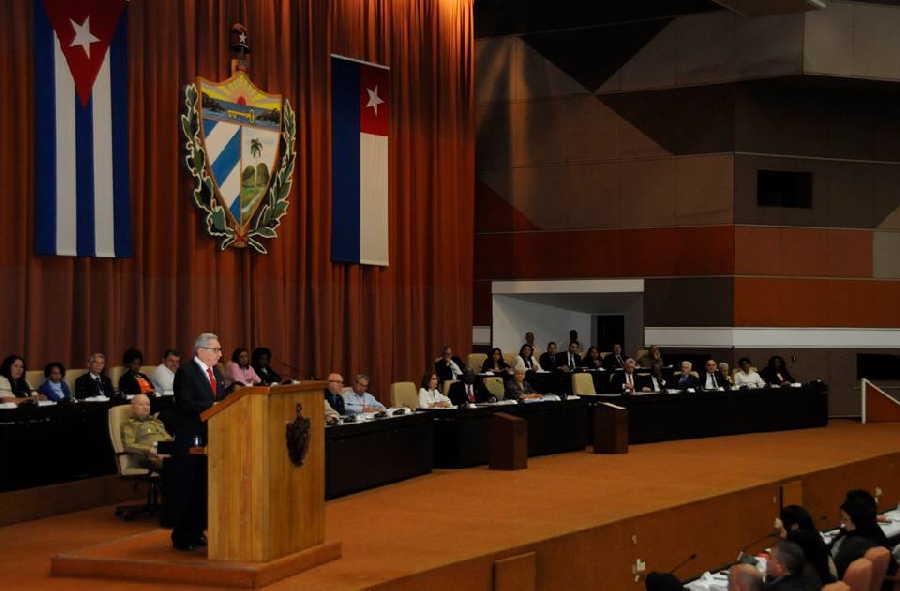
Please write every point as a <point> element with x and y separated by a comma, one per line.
<point>276,204</point>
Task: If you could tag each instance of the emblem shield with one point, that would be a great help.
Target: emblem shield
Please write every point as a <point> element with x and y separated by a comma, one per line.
<point>297,437</point>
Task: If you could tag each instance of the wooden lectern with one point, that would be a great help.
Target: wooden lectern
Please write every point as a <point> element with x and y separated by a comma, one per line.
<point>263,507</point>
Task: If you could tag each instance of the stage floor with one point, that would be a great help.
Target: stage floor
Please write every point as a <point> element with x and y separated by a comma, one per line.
<point>394,534</point>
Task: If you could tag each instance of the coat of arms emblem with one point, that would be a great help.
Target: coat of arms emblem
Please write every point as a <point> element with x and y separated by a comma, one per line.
<point>297,435</point>
<point>240,152</point>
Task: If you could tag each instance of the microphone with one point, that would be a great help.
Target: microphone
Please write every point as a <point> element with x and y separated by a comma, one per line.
<point>743,557</point>
<point>682,563</point>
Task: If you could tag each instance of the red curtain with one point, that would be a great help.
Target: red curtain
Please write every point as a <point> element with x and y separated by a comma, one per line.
<point>316,316</point>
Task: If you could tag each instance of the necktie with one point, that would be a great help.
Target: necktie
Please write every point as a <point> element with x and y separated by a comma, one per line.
<point>571,360</point>
<point>713,377</point>
<point>628,378</point>
<point>469,394</point>
<point>212,381</point>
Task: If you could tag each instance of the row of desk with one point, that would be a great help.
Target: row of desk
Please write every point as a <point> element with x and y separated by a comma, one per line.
<point>55,444</point>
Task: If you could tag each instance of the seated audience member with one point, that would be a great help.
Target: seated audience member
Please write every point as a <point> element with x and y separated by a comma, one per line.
<point>163,377</point>
<point>548,358</point>
<point>785,569</point>
<point>141,432</point>
<point>429,395</point>
<point>357,399</point>
<point>469,391</point>
<point>860,531</point>
<point>495,362</point>
<point>592,359</point>
<point>745,376</point>
<point>662,582</point>
<point>94,382</point>
<point>776,372</point>
<point>449,366</point>
<point>654,382</point>
<point>569,360</point>
<point>711,378</point>
<point>12,378</point>
<point>54,388</point>
<point>743,577</point>
<point>239,371</point>
<point>652,358</point>
<point>333,394</point>
<point>261,360</point>
<point>518,389</point>
<point>525,359</point>
<point>796,524</point>
<point>724,369</point>
<point>133,381</point>
<point>685,378</point>
<point>614,360</point>
<point>627,381</point>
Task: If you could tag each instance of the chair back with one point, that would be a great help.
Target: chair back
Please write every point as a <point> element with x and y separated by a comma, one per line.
<point>126,464</point>
<point>404,394</point>
<point>445,388</point>
<point>838,586</point>
<point>583,383</point>
<point>72,375</point>
<point>476,360</point>
<point>34,377</point>
<point>859,575</point>
<point>510,358</point>
<point>494,385</point>
<point>640,353</point>
<point>879,556</point>
<point>115,372</point>
<point>148,370</point>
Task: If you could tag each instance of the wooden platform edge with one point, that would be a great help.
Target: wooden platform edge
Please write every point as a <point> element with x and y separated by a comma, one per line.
<point>246,575</point>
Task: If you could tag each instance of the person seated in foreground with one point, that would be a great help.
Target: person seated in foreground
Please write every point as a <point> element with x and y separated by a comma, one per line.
<point>785,570</point>
<point>333,394</point>
<point>743,577</point>
<point>449,366</point>
<point>54,388</point>
<point>163,376</point>
<point>141,432</point>
<point>261,360</point>
<point>94,382</point>
<point>518,389</point>
<point>239,371</point>
<point>469,391</point>
<point>614,360</point>
<point>796,525</point>
<point>133,381</point>
<point>525,359</point>
<point>655,381</point>
<point>662,582</point>
<point>652,358</point>
<point>357,398</point>
<point>711,378</point>
<point>429,395</point>
<point>776,373</point>
<point>592,359</point>
<point>860,531</point>
<point>570,359</point>
<point>12,379</point>
<point>725,370</point>
<point>495,362</point>
<point>685,378</point>
<point>745,376</point>
<point>548,357</point>
<point>331,415</point>
<point>627,381</point>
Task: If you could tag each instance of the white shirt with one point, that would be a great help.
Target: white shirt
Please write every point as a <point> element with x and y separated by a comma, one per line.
<point>751,379</point>
<point>427,398</point>
<point>454,369</point>
<point>204,368</point>
<point>711,383</point>
<point>521,363</point>
<point>629,381</point>
<point>163,378</point>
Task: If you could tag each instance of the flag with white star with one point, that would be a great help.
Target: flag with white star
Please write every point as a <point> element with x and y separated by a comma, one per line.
<point>80,71</point>
<point>360,124</point>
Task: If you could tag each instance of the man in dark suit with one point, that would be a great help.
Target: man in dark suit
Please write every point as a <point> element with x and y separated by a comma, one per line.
<point>449,367</point>
<point>784,570</point>
<point>198,384</point>
<point>569,360</point>
<point>333,393</point>
<point>469,390</point>
<point>711,378</point>
<point>683,379</point>
<point>94,382</point>
<point>627,381</point>
<point>614,360</point>
<point>548,359</point>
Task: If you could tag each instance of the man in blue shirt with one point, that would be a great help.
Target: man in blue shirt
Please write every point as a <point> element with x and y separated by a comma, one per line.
<point>357,399</point>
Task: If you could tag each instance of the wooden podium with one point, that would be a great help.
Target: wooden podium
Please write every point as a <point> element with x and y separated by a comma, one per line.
<point>263,507</point>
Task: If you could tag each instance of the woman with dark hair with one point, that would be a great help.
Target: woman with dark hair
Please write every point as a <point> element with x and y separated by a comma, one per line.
<point>429,395</point>
<point>592,358</point>
<point>860,531</point>
<point>12,378</point>
<point>133,381</point>
<point>495,362</point>
<point>525,360</point>
<point>54,388</point>
<point>239,370</point>
<point>796,525</point>
<point>260,361</point>
<point>776,372</point>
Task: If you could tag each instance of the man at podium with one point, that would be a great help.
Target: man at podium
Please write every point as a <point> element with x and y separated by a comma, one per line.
<point>198,383</point>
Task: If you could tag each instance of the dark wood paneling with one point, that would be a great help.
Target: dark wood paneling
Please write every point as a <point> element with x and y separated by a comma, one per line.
<point>689,302</point>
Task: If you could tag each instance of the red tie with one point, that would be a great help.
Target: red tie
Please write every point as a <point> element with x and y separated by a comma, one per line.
<point>469,392</point>
<point>212,381</point>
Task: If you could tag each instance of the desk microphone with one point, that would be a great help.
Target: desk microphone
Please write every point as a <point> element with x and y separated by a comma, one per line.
<point>742,557</point>
<point>682,563</point>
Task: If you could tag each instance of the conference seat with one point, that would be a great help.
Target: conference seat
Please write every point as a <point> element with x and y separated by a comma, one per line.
<point>445,387</point>
<point>510,359</point>
<point>148,370</point>
<point>583,383</point>
<point>639,353</point>
<point>72,375</point>
<point>129,468</point>
<point>859,575</point>
<point>476,360</point>
<point>403,394</point>
<point>34,377</point>
<point>494,385</point>
<point>115,372</point>
<point>879,556</point>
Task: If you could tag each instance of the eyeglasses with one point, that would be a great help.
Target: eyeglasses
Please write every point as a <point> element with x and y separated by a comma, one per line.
<point>213,349</point>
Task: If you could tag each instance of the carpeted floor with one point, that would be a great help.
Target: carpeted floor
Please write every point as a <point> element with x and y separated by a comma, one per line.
<point>451,516</point>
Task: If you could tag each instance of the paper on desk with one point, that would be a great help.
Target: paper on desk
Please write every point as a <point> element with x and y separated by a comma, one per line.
<point>46,403</point>
<point>8,405</point>
<point>96,399</point>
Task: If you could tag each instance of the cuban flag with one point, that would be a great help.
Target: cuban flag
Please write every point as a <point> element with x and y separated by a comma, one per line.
<point>81,191</point>
<point>360,120</point>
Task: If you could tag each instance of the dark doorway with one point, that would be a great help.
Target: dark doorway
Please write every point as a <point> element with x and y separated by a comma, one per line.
<point>608,331</point>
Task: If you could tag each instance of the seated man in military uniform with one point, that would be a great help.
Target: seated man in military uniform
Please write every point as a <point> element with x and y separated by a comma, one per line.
<point>141,433</point>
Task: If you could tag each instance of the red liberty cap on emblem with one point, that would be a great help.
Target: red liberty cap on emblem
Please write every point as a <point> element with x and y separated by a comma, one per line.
<point>84,29</point>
